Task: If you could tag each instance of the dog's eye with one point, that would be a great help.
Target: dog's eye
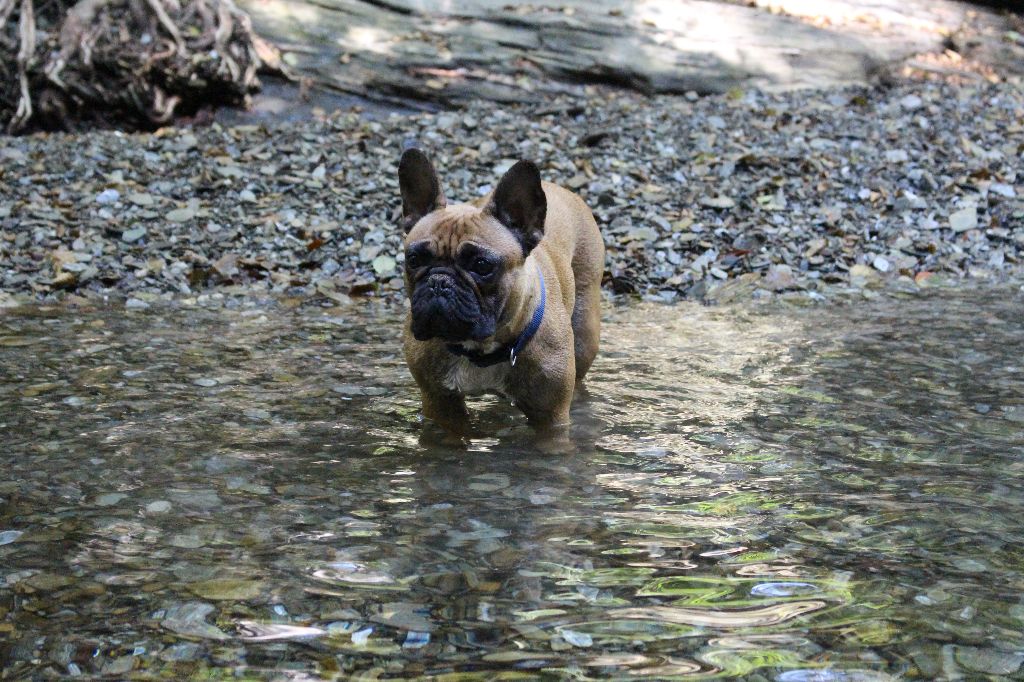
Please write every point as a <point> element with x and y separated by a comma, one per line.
<point>482,266</point>
<point>413,260</point>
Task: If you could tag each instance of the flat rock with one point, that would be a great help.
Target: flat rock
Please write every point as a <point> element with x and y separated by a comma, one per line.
<point>520,52</point>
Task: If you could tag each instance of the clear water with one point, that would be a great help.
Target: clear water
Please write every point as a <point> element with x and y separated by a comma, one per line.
<point>777,493</point>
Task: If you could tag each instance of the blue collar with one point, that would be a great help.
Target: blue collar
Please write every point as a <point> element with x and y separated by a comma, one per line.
<point>510,351</point>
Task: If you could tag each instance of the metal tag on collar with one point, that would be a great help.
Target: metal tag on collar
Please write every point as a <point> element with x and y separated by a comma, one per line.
<point>512,356</point>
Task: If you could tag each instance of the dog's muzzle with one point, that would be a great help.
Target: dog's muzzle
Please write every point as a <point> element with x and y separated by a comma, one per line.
<point>443,307</point>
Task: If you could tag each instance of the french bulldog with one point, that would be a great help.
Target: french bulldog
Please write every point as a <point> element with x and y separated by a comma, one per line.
<point>504,293</point>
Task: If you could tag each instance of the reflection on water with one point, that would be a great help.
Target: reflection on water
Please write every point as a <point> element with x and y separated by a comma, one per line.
<point>776,493</point>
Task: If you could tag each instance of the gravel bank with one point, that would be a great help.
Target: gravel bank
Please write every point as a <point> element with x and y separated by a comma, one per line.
<point>738,195</point>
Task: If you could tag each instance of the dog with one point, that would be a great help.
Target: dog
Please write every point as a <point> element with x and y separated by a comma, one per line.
<point>504,292</point>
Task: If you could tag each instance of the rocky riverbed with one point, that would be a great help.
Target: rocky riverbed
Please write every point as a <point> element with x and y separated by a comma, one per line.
<point>742,194</point>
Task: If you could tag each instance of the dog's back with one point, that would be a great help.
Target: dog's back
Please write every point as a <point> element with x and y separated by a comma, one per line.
<point>570,228</point>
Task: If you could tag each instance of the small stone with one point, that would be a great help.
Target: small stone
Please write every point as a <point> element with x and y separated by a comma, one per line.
<point>990,661</point>
<point>861,274</point>
<point>189,619</point>
<point>911,102</point>
<point>141,199</point>
<point>404,616</point>
<point>384,265</point>
<point>227,589</point>
<point>206,382</point>
<point>135,304</point>
<point>416,640</point>
<point>119,666</point>
<point>186,651</point>
<point>577,181</point>
<point>577,639</point>
<point>779,278</point>
<point>964,219</point>
<point>1002,190</point>
<point>47,582</point>
<point>910,202</point>
<point>9,536</point>
<point>181,215</point>
<point>971,565</point>
<point>158,507</point>
<point>897,156</point>
<point>247,195</point>
<point>133,235</point>
<point>502,166</point>
<point>489,482</point>
<point>109,499</point>
<point>881,264</point>
<point>717,202</point>
<point>108,196</point>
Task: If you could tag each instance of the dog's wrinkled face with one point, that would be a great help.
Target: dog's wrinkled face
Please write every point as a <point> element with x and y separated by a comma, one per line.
<point>462,262</point>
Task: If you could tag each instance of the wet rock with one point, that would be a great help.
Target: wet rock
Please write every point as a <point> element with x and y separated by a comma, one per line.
<point>9,536</point>
<point>186,651</point>
<point>109,499</point>
<point>990,661</point>
<point>189,618</point>
<point>577,639</point>
<point>227,589</point>
<point>416,640</point>
<point>46,582</point>
<point>404,616</point>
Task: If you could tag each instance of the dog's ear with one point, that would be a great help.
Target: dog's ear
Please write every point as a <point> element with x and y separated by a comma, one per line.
<point>520,205</point>
<point>420,187</point>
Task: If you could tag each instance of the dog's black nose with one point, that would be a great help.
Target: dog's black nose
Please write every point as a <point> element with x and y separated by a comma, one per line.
<point>441,283</point>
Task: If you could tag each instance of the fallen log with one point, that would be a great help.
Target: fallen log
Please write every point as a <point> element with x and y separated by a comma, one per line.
<point>132,63</point>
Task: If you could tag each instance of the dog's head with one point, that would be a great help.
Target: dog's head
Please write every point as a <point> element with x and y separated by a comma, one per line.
<point>463,263</point>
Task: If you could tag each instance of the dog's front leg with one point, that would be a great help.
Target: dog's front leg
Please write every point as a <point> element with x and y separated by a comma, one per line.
<point>447,409</point>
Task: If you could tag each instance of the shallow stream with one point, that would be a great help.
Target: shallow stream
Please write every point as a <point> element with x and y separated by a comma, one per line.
<point>764,493</point>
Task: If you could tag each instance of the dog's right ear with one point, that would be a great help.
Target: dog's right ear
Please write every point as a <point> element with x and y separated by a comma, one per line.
<point>420,187</point>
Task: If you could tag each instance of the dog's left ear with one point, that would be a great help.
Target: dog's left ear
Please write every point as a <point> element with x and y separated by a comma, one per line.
<point>520,205</point>
<point>420,187</point>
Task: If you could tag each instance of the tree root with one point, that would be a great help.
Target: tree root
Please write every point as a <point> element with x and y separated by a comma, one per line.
<point>135,63</point>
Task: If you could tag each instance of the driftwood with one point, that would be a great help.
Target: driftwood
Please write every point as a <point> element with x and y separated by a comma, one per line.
<point>137,63</point>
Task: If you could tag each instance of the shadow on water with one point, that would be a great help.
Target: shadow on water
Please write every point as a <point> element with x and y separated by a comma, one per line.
<point>776,493</point>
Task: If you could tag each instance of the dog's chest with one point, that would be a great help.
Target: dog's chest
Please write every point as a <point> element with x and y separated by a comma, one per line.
<point>468,379</point>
